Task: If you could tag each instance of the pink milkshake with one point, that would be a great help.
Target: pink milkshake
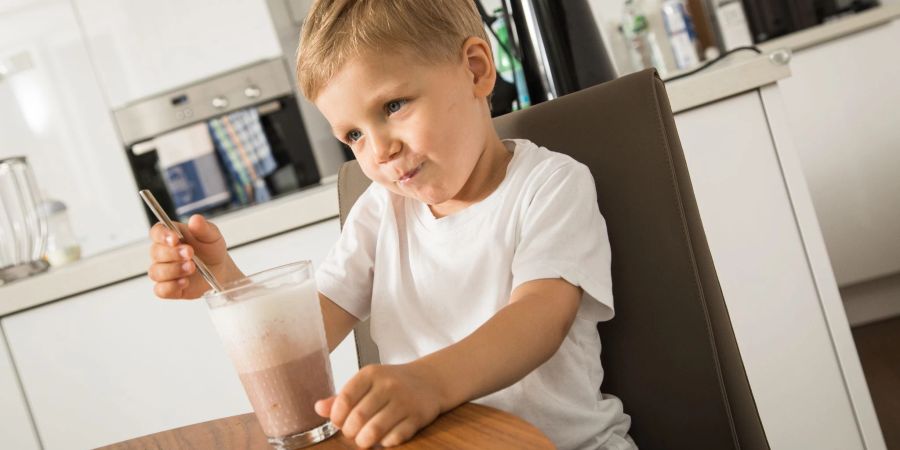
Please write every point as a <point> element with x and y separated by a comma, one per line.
<point>271,326</point>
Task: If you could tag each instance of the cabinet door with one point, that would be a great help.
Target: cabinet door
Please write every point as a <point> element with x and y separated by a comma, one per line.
<point>142,48</point>
<point>767,279</point>
<point>118,363</point>
<point>16,430</point>
<point>841,101</point>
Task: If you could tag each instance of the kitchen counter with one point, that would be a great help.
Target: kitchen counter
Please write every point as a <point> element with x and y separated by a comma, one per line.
<point>833,30</point>
<point>739,73</point>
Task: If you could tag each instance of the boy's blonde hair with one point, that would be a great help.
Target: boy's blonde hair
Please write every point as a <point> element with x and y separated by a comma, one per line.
<point>337,30</point>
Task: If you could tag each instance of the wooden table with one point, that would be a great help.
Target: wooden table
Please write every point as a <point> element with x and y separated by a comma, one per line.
<point>469,426</point>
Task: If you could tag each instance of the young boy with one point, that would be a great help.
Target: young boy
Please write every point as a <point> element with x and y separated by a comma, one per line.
<point>483,264</point>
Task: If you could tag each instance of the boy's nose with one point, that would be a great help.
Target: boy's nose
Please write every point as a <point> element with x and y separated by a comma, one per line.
<point>386,148</point>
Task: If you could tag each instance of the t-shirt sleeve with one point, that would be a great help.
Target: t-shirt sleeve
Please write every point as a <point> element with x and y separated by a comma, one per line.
<point>346,274</point>
<point>563,235</point>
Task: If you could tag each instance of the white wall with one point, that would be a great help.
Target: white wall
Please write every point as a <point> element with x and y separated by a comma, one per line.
<point>872,301</point>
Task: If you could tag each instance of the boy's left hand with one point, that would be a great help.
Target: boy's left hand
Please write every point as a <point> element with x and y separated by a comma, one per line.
<point>384,404</point>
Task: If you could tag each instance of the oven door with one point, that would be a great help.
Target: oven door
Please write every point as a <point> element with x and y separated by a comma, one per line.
<point>295,165</point>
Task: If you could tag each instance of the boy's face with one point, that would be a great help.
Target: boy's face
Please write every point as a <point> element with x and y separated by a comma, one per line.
<point>419,130</point>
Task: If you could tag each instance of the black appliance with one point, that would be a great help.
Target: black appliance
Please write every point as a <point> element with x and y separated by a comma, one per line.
<point>769,19</point>
<point>559,46</point>
<point>265,86</point>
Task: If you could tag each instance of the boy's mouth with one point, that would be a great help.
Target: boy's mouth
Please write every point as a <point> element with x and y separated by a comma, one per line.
<point>409,175</point>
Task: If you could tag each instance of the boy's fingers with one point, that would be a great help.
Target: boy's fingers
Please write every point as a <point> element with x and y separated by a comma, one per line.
<point>362,414</point>
<point>339,410</point>
<point>401,433</point>
<point>349,396</point>
<point>203,230</point>
<point>323,407</point>
<point>170,289</point>
<point>159,233</point>
<point>378,427</point>
<point>161,272</point>
<point>162,253</point>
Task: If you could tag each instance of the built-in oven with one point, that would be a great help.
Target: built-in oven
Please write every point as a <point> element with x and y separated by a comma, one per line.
<point>263,94</point>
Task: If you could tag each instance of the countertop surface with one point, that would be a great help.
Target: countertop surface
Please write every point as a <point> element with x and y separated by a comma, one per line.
<point>738,73</point>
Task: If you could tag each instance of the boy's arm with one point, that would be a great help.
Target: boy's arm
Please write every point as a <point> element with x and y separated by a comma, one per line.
<point>338,322</point>
<point>519,338</point>
<point>388,404</point>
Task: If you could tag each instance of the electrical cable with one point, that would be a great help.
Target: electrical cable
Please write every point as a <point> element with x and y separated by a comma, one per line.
<point>713,61</point>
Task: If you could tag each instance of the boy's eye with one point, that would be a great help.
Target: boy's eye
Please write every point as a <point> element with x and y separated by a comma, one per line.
<point>394,105</point>
<point>354,135</point>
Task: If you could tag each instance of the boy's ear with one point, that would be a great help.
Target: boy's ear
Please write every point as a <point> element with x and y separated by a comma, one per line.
<point>480,62</point>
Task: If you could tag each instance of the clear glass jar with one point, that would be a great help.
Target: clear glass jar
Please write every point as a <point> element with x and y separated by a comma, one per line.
<point>62,247</point>
<point>23,230</point>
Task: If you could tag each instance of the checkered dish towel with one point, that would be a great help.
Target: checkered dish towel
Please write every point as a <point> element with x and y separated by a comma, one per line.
<point>244,149</point>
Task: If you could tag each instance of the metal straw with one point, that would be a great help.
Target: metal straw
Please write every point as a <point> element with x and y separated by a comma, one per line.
<point>151,202</point>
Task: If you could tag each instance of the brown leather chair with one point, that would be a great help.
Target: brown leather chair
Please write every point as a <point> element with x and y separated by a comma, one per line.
<point>670,352</point>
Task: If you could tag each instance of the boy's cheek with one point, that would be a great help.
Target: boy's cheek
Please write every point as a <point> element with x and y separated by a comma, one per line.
<point>370,172</point>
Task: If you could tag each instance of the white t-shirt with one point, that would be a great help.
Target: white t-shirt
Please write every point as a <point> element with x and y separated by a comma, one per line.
<point>427,283</point>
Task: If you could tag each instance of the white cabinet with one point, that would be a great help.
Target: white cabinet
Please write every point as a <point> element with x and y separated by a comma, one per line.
<point>117,363</point>
<point>841,103</point>
<point>775,276</point>
<point>16,431</point>
<point>142,48</point>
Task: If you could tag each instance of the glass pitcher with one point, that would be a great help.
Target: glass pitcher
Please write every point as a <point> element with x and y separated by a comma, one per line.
<point>23,231</point>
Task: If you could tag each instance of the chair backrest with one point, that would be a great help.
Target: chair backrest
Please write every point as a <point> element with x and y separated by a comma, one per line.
<point>670,353</point>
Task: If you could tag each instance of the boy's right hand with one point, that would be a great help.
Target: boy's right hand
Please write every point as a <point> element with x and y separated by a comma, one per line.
<point>171,267</point>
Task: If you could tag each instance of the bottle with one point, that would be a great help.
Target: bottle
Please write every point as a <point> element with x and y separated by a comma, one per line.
<point>508,66</point>
<point>680,30</point>
<point>503,59</point>
<point>641,41</point>
<point>732,21</point>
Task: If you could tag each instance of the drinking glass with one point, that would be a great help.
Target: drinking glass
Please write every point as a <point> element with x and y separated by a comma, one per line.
<point>271,326</point>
